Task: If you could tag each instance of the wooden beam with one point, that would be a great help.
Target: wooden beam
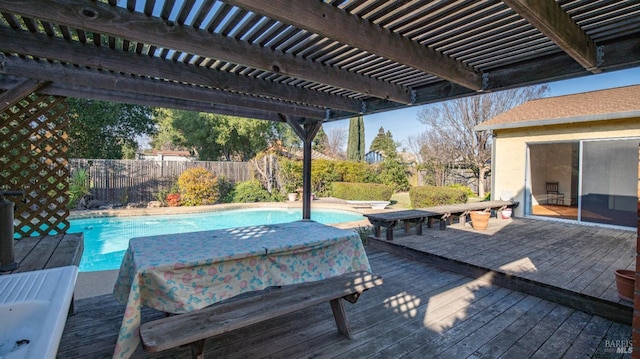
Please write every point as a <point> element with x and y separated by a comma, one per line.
<point>327,20</point>
<point>42,46</point>
<point>60,73</point>
<point>548,17</point>
<point>66,90</point>
<point>114,21</point>
<point>19,91</point>
<point>622,53</point>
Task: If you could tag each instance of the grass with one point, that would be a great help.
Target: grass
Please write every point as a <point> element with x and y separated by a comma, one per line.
<point>400,200</point>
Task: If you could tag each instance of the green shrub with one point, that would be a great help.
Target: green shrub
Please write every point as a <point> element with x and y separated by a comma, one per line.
<point>394,174</point>
<point>364,232</point>
<point>198,187</point>
<point>226,189</point>
<point>362,191</point>
<point>352,171</point>
<point>250,191</point>
<point>465,189</point>
<point>429,196</point>
<point>78,186</point>
<point>323,173</point>
<point>290,174</point>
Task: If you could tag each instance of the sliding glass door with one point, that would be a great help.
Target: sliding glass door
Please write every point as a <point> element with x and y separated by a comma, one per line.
<point>590,181</point>
<point>609,186</point>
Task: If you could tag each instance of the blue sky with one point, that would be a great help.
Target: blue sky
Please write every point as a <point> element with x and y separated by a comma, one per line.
<point>404,123</point>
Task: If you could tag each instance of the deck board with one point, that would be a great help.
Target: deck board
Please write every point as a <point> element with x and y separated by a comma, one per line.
<point>420,311</point>
<point>571,256</point>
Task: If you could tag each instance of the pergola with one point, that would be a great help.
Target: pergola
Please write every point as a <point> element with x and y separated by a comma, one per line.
<point>305,62</point>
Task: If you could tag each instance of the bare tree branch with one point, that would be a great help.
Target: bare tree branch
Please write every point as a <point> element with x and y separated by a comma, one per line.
<point>451,137</point>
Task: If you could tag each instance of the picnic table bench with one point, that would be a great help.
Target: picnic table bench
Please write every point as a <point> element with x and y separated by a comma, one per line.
<point>442,213</point>
<point>461,210</point>
<point>195,327</point>
<point>390,219</point>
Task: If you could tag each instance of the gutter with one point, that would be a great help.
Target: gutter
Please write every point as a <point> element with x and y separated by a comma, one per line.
<point>559,121</point>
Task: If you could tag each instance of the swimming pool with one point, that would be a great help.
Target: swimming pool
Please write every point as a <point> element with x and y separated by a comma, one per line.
<point>106,238</point>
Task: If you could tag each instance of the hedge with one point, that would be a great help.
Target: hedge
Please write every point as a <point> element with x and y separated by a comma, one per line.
<point>429,196</point>
<point>361,191</point>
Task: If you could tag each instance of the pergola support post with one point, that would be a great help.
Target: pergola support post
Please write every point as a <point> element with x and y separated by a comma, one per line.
<point>306,132</point>
<point>635,324</point>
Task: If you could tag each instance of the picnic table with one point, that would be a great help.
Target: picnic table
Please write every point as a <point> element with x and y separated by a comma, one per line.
<point>180,273</point>
<point>442,213</point>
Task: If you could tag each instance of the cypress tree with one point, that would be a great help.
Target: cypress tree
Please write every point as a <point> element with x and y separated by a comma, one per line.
<point>355,144</point>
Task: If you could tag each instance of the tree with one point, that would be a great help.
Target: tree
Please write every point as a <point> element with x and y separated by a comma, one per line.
<point>284,133</point>
<point>99,129</point>
<point>355,144</point>
<point>320,141</point>
<point>167,137</point>
<point>452,126</point>
<point>335,142</point>
<point>213,137</point>
<point>434,156</point>
<point>383,142</point>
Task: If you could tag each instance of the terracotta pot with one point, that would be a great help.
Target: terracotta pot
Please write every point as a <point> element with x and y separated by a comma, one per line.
<point>625,283</point>
<point>480,219</point>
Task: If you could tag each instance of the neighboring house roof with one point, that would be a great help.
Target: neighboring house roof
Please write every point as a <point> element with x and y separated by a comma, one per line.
<point>610,104</point>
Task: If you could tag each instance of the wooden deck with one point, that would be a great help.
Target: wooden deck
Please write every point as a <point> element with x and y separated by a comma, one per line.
<point>568,263</point>
<point>420,311</point>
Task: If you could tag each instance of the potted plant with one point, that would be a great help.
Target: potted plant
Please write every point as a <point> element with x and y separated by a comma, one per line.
<point>625,283</point>
<point>480,219</point>
<point>290,188</point>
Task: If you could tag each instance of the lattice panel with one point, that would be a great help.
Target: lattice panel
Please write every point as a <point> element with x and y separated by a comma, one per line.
<point>33,144</point>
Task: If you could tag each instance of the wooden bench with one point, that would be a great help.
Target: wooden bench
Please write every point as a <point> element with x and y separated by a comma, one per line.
<point>390,219</point>
<point>195,327</point>
<point>441,213</point>
<point>445,212</point>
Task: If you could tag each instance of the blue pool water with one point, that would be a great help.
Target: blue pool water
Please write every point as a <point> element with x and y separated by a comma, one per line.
<point>106,239</point>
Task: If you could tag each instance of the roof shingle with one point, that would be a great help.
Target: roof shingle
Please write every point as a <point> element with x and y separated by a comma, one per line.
<point>587,106</point>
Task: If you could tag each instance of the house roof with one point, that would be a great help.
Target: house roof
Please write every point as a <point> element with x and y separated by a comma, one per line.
<point>610,104</point>
<point>305,61</point>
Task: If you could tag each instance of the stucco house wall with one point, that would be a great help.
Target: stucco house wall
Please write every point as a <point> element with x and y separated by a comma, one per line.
<point>509,160</point>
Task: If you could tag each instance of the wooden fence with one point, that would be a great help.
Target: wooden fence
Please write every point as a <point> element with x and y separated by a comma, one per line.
<point>132,181</point>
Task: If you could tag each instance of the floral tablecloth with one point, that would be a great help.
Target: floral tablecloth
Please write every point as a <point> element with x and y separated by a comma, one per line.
<point>179,273</point>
